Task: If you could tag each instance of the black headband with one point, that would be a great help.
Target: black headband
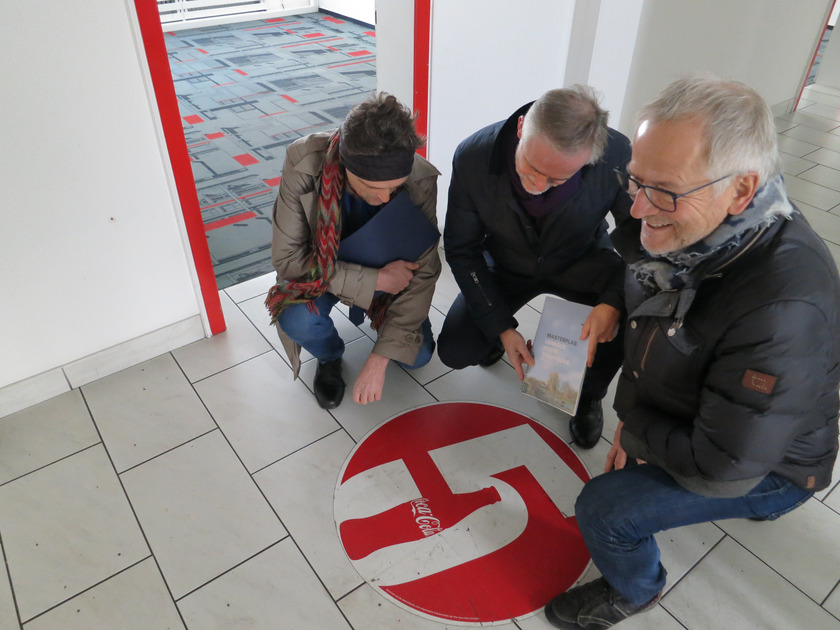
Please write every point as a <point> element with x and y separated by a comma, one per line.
<point>383,167</point>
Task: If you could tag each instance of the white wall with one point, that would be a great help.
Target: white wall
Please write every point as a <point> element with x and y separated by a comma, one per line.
<point>613,45</point>
<point>395,49</point>
<point>361,10</point>
<point>487,59</point>
<point>767,44</point>
<point>91,249</point>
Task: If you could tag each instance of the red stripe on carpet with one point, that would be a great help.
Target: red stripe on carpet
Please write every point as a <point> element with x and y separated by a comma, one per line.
<point>242,72</point>
<point>360,53</point>
<point>203,52</point>
<point>274,114</point>
<point>213,136</point>
<point>194,119</point>
<point>197,144</point>
<point>352,63</point>
<point>274,181</point>
<point>262,192</point>
<point>371,33</point>
<point>216,205</point>
<point>214,225</point>
<point>311,35</point>
<point>221,84</point>
<point>330,18</point>
<point>288,98</point>
<point>275,20</point>
<point>246,159</point>
<point>323,41</point>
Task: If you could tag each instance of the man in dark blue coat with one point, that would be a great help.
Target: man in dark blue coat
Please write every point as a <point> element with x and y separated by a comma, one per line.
<point>728,396</point>
<point>527,212</point>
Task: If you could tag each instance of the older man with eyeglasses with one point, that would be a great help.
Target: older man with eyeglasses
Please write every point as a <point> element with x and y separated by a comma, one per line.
<point>728,396</point>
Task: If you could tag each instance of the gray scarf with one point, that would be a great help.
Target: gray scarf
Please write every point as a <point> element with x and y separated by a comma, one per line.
<point>675,270</point>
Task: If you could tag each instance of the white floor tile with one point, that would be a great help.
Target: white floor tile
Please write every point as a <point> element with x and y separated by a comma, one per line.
<point>400,392</point>
<point>240,342</point>
<point>253,288</point>
<point>825,110</point>
<point>201,512</point>
<point>366,608</point>
<point>792,165</point>
<point>263,412</point>
<point>826,157</point>
<point>44,433</point>
<point>65,528</point>
<point>813,136</point>
<point>832,604</point>
<point>498,385</point>
<point>135,599</point>
<point>822,175</point>
<point>146,410</point>
<point>814,567</point>
<point>833,498</point>
<point>275,590</point>
<point>8,611</point>
<point>731,588</point>
<point>794,146</point>
<point>810,118</point>
<point>816,94</point>
<point>682,548</point>
<point>812,194</point>
<point>300,488</point>
<point>783,124</point>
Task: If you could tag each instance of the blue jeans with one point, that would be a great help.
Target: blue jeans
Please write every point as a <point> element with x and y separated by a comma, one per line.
<point>619,512</point>
<point>316,332</point>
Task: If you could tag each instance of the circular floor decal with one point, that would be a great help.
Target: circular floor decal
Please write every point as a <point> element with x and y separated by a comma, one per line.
<point>463,512</point>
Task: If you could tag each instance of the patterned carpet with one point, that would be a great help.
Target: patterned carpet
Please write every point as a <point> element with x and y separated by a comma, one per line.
<point>246,91</point>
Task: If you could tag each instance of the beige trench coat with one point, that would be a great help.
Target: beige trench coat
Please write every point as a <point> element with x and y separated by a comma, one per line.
<point>295,217</point>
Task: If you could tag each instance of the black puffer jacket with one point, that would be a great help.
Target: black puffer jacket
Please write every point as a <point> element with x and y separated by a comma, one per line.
<point>748,383</point>
<point>572,249</point>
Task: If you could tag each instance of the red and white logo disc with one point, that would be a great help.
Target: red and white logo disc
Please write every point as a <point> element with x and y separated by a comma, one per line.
<point>463,512</point>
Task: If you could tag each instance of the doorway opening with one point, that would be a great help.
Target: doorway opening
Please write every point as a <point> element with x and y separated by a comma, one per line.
<point>245,92</point>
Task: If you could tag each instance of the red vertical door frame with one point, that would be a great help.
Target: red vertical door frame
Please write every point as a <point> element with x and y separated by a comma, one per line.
<point>422,43</point>
<point>176,144</point>
<point>814,56</point>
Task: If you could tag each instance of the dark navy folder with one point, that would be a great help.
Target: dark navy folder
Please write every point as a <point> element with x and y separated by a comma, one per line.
<point>399,231</point>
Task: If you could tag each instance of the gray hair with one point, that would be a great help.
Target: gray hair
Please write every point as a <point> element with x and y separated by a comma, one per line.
<point>570,120</point>
<point>739,129</point>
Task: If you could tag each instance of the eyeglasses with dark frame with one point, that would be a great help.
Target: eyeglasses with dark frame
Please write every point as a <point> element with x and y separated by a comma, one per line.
<point>661,198</point>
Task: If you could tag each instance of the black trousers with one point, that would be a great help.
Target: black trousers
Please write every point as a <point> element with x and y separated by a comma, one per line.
<point>462,344</point>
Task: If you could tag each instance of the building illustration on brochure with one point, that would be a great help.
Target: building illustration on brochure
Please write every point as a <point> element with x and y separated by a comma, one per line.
<point>559,355</point>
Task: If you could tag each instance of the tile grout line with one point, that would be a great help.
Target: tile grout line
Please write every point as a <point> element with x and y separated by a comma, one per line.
<point>133,510</point>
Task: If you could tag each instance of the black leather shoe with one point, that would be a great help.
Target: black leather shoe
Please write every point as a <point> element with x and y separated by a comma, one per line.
<point>328,385</point>
<point>496,353</point>
<point>592,606</point>
<point>586,425</point>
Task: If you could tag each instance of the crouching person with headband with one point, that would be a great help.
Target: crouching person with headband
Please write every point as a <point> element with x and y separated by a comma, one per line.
<point>354,222</point>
